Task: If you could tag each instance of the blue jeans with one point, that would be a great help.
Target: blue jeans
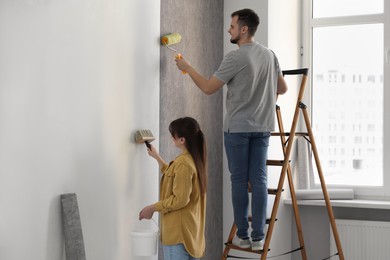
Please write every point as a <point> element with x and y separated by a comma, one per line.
<point>176,252</point>
<point>247,160</point>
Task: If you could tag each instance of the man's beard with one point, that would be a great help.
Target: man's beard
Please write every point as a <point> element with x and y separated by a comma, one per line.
<point>235,40</point>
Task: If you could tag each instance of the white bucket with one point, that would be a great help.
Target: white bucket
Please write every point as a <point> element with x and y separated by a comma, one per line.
<point>144,243</point>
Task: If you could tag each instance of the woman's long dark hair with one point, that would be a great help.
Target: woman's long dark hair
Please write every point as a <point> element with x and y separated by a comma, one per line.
<point>188,128</point>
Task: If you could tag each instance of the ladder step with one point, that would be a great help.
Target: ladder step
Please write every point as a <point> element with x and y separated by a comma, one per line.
<point>266,222</point>
<point>270,191</point>
<point>288,134</point>
<point>276,162</point>
<point>273,191</point>
<point>233,246</point>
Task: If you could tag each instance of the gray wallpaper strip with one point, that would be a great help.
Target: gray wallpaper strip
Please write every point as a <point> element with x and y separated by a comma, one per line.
<point>200,24</point>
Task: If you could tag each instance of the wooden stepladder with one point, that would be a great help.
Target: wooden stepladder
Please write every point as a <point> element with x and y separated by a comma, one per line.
<point>287,141</point>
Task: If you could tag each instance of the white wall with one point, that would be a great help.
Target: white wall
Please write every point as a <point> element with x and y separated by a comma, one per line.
<point>278,30</point>
<point>76,79</point>
<point>284,39</point>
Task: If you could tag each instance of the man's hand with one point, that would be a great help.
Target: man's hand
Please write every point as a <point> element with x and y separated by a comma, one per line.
<point>181,63</point>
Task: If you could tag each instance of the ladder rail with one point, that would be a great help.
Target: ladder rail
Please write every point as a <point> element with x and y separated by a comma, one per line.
<point>284,169</point>
<point>323,185</point>
<point>283,140</point>
<point>292,189</point>
<point>232,233</point>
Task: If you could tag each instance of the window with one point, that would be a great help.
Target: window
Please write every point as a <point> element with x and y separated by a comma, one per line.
<point>346,45</point>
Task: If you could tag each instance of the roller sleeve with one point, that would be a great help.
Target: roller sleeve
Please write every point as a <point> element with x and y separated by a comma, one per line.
<point>170,39</point>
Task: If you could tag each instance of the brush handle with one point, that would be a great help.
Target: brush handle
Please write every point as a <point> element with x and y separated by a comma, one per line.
<point>178,56</point>
<point>148,145</point>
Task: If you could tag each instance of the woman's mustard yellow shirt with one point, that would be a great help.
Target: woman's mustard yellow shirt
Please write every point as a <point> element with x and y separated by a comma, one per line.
<point>182,207</point>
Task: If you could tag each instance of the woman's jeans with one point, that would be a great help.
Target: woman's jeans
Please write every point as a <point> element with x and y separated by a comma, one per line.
<point>247,160</point>
<point>176,252</point>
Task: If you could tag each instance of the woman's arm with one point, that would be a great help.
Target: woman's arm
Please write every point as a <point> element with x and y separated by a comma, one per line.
<point>181,190</point>
<point>153,153</point>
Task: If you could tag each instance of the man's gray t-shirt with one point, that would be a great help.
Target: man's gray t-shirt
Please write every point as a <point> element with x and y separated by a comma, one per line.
<point>251,75</point>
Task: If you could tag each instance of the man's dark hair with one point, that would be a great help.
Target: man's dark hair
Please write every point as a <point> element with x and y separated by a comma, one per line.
<point>247,17</point>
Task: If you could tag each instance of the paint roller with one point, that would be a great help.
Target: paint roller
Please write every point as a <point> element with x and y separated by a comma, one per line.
<point>144,136</point>
<point>170,39</point>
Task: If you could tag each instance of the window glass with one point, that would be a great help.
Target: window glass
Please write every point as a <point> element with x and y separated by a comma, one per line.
<point>348,102</point>
<point>334,8</point>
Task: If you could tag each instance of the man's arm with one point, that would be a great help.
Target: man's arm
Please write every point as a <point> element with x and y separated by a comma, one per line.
<point>208,86</point>
<point>282,86</point>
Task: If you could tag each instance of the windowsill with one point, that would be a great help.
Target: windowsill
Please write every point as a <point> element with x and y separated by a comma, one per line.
<point>356,203</point>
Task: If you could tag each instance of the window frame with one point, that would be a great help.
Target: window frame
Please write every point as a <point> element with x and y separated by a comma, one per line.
<point>308,23</point>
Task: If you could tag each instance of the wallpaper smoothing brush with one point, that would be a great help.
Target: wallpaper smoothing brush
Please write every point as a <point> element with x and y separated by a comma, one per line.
<point>144,136</point>
<point>170,39</point>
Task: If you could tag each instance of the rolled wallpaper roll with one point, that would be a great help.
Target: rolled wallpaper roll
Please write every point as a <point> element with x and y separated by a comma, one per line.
<point>334,194</point>
<point>74,242</point>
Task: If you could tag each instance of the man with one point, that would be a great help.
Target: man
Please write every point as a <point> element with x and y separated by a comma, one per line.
<point>253,78</point>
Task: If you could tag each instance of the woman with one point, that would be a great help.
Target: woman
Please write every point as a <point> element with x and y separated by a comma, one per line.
<point>183,186</point>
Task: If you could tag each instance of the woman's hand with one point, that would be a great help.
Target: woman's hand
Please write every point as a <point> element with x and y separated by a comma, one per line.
<point>147,212</point>
<point>153,153</point>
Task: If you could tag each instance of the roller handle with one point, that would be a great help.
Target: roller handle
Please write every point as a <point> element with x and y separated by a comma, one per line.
<point>148,145</point>
<point>178,56</point>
